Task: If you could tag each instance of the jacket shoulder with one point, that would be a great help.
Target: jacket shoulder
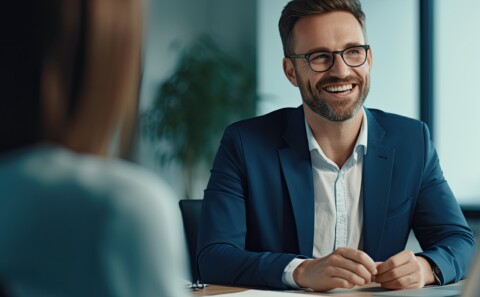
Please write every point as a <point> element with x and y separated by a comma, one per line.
<point>278,116</point>
<point>394,121</point>
<point>270,125</point>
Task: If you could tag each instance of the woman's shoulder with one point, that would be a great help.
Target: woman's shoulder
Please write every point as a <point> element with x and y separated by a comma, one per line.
<point>54,173</point>
<point>76,202</point>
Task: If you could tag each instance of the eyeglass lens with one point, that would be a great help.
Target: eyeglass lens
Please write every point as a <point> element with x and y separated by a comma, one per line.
<point>354,56</point>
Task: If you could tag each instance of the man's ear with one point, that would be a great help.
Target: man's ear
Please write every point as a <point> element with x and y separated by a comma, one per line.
<point>370,58</point>
<point>289,70</point>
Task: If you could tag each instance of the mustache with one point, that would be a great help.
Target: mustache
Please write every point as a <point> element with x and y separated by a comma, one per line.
<point>336,80</point>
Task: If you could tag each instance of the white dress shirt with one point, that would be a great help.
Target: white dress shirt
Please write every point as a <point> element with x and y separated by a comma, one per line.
<point>338,200</point>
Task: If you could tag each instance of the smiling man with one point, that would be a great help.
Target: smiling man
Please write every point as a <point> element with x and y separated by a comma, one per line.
<point>324,196</point>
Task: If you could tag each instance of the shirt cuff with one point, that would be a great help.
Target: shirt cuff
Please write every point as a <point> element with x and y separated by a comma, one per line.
<point>287,276</point>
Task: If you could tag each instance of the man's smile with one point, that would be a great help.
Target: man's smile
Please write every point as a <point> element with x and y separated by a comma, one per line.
<point>340,89</point>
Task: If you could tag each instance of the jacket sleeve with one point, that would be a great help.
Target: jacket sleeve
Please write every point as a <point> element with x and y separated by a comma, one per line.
<point>221,252</point>
<point>439,224</point>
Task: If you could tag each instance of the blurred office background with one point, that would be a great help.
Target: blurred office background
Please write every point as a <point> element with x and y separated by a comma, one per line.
<point>247,30</point>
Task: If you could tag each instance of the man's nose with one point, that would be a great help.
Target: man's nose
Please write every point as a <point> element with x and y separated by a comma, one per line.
<point>339,67</point>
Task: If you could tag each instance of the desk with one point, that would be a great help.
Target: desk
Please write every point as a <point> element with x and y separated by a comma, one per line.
<point>216,289</point>
<point>364,291</point>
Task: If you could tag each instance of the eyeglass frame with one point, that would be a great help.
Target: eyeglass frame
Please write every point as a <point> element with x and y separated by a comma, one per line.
<point>333,54</point>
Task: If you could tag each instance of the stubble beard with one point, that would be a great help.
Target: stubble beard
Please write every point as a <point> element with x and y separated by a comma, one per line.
<point>338,111</point>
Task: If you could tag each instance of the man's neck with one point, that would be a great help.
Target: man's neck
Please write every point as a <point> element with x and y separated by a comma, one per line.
<point>337,139</point>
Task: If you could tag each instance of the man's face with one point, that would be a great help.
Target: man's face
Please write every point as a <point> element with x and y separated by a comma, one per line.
<point>338,93</point>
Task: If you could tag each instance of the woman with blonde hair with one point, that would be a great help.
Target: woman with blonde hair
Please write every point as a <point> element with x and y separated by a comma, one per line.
<point>73,221</point>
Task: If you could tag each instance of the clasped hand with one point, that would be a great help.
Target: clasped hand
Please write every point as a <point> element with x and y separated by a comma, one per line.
<point>347,267</point>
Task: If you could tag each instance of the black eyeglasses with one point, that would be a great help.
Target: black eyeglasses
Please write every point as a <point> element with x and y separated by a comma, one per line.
<point>322,61</point>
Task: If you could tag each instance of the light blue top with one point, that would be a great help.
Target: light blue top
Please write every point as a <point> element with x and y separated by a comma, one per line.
<point>78,225</point>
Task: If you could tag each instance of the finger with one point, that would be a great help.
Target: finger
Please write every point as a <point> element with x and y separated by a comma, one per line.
<point>321,277</point>
<point>395,261</point>
<point>347,275</point>
<point>339,282</point>
<point>359,257</point>
<point>410,281</point>
<point>376,266</point>
<point>397,272</point>
<point>333,283</point>
<point>338,261</point>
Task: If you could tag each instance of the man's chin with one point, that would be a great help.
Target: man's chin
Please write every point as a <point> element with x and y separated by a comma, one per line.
<point>336,115</point>
<point>339,117</point>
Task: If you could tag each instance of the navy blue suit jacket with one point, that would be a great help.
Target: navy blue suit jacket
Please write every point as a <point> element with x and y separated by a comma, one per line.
<point>258,209</point>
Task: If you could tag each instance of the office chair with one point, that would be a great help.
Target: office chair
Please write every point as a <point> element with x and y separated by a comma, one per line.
<point>190,210</point>
<point>2,290</point>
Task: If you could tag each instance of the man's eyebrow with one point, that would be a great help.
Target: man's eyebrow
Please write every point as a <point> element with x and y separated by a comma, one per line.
<point>352,44</point>
<point>325,49</point>
<point>318,49</point>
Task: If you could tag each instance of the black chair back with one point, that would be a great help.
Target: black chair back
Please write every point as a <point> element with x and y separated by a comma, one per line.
<point>191,219</point>
<point>2,290</point>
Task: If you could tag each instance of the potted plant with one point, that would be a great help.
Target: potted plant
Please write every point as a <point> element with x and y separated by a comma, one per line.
<point>207,90</point>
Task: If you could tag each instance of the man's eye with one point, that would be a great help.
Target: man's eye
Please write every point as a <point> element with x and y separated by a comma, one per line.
<point>353,52</point>
<point>320,57</point>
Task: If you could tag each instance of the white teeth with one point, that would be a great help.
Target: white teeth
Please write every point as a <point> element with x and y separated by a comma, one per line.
<point>341,88</point>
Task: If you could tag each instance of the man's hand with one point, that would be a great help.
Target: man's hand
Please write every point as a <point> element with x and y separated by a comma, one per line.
<point>344,268</point>
<point>404,271</point>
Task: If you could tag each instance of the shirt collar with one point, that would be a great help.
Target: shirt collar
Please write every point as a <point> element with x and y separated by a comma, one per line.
<point>361,143</point>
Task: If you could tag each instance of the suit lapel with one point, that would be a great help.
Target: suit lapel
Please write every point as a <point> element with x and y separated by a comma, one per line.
<point>297,170</point>
<point>377,175</point>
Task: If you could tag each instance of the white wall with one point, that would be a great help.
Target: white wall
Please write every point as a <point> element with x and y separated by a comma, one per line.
<point>274,89</point>
<point>392,29</point>
<point>457,101</point>
<point>391,26</point>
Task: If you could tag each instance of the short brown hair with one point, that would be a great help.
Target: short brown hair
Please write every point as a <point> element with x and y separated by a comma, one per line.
<point>297,9</point>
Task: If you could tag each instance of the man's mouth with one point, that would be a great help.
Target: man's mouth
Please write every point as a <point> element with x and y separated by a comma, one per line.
<point>339,89</point>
